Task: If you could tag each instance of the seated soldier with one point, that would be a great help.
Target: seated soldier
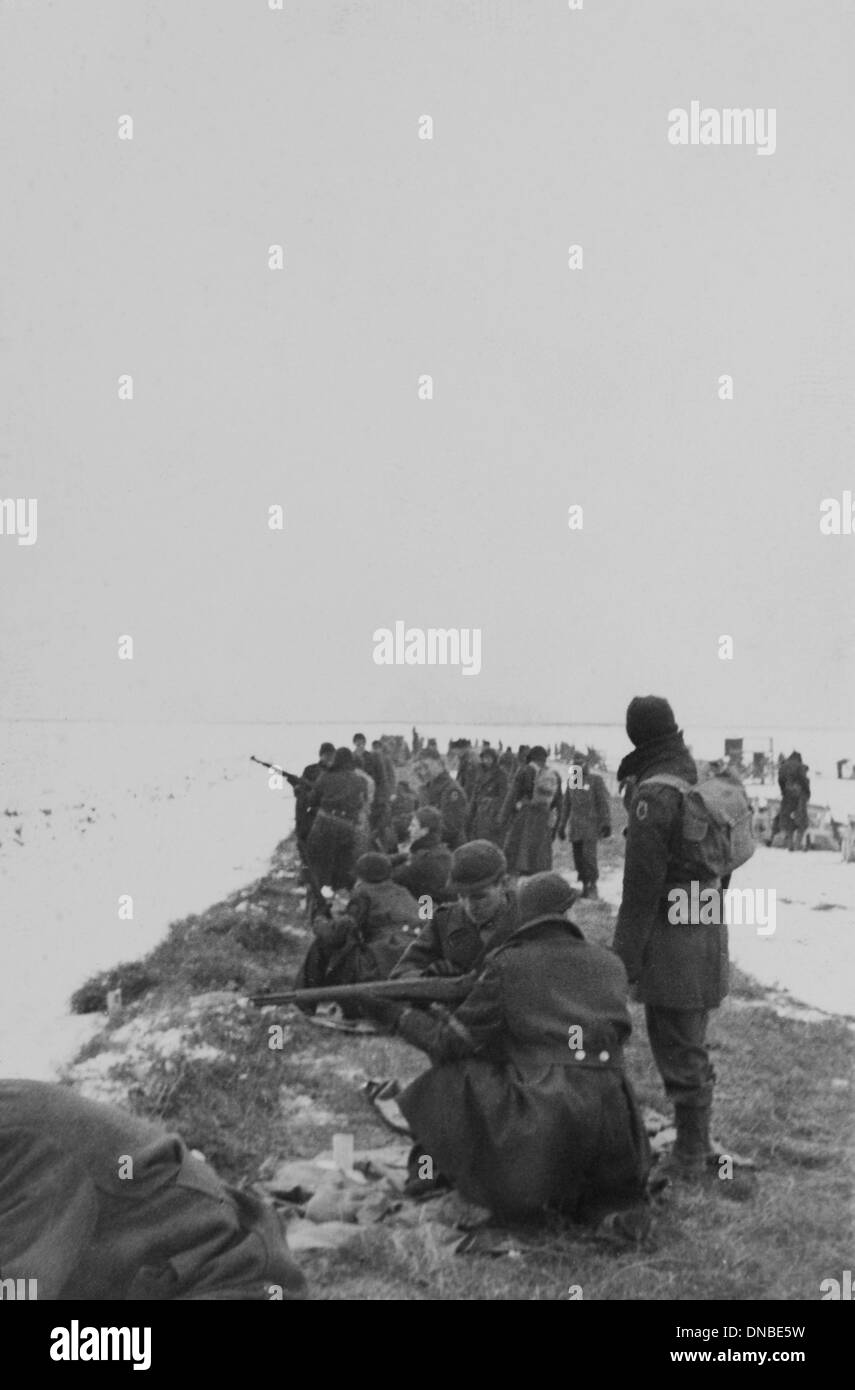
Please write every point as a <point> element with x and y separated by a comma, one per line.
<point>526,1107</point>
<point>425,871</point>
<point>96,1203</point>
<point>368,939</point>
<point>455,940</point>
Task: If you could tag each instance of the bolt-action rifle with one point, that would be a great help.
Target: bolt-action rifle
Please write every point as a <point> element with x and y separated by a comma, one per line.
<point>442,989</point>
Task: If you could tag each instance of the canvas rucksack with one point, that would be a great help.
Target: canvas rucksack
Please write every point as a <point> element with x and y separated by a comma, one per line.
<point>546,784</point>
<point>717,816</point>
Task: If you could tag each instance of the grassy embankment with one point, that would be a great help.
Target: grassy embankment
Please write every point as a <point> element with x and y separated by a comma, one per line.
<point>200,1061</point>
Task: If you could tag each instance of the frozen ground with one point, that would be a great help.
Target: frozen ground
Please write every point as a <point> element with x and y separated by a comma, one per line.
<point>178,817</point>
<point>811,953</point>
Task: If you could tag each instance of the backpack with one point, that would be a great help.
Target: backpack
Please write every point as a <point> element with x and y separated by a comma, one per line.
<point>546,784</point>
<point>717,816</point>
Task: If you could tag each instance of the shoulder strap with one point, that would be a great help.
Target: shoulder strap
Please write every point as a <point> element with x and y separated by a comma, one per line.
<point>667,779</point>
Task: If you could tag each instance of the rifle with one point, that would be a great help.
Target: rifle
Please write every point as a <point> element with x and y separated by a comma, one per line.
<point>291,777</point>
<point>445,989</point>
<point>320,902</point>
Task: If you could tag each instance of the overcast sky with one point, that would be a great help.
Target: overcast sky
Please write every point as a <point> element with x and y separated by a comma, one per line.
<point>403,256</point>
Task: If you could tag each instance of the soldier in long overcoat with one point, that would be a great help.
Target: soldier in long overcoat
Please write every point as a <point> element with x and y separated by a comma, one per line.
<point>679,970</point>
<point>488,797</point>
<point>530,815</point>
<point>526,1106</point>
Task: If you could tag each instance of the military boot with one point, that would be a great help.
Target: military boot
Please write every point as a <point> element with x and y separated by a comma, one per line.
<point>692,1153</point>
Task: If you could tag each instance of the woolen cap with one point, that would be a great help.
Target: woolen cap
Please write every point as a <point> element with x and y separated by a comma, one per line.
<point>476,865</point>
<point>373,867</point>
<point>649,717</point>
<point>544,895</point>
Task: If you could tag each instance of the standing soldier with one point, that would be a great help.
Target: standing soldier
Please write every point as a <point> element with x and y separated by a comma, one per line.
<point>585,819</point>
<point>488,798</point>
<point>337,800</point>
<point>531,810</point>
<point>449,798</point>
<point>795,796</point>
<point>679,971</point>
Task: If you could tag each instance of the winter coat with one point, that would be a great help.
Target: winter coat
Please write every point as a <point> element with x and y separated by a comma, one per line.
<point>519,1111</point>
<point>366,941</point>
<point>426,872</point>
<point>340,794</point>
<point>673,965</point>
<point>795,793</point>
<point>586,811</point>
<point>402,806</point>
<point>534,802</point>
<point>485,808</point>
<point>449,798</point>
<point>99,1204</point>
<point>451,944</point>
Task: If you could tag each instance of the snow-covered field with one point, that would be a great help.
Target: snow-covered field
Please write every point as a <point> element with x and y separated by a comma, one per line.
<point>177,817</point>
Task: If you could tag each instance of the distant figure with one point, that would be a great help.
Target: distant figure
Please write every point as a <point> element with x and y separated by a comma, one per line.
<point>586,818</point>
<point>507,760</point>
<point>382,821</point>
<point>337,799</point>
<point>417,742</point>
<point>467,770</point>
<point>304,813</point>
<point>526,1107</point>
<point>371,761</point>
<point>795,796</point>
<point>679,970</point>
<point>425,870</point>
<point>449,798</point>
<point>369,938</point>
<point>531,811</point>
<point>402,807</point>
<point>98,1204</point>
<point>488,798</point>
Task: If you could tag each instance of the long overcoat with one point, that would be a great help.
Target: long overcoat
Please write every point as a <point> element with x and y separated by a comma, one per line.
<point>673,965</point>
<point>527,1106</point>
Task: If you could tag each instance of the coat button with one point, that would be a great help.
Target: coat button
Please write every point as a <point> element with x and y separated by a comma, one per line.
<point>580,1056</point>
<point>604,1056</point>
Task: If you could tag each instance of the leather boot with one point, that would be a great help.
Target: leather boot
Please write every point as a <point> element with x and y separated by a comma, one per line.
<point>692,1150</point>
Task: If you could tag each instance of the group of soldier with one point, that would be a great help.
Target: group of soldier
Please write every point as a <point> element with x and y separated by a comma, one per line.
<point>353,800</point>
<point>526,1104</point>
<point>525,1107</point>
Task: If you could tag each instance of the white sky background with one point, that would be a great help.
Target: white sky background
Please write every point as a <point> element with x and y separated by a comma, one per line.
<point>403,257</point>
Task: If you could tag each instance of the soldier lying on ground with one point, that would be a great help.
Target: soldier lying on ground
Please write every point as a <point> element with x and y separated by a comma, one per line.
<point>98,1204</point>
<point>368,939</point>
<point>520,1121</point>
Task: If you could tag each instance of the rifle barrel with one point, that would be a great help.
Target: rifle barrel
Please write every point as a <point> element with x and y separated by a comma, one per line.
<point>446,989</point>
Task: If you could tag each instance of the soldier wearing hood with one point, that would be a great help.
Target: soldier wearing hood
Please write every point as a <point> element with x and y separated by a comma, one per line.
<point>679,971</point>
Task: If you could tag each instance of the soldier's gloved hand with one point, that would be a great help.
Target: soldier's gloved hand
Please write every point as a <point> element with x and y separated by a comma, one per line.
<point>606,832</point>
<point>386,1012</point>
<point>562,832</point>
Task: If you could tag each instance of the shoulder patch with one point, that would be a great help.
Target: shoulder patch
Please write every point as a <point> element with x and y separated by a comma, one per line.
<point>641,811</point>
